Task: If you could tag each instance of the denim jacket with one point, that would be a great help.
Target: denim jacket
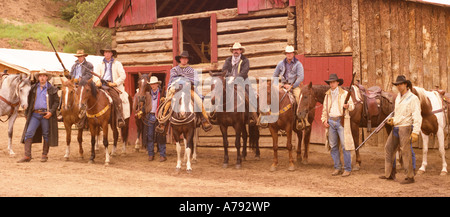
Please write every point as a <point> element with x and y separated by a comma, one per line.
<point>295,76</point>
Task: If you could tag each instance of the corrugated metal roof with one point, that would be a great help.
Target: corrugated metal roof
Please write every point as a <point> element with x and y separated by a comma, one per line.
<point>30,61</point>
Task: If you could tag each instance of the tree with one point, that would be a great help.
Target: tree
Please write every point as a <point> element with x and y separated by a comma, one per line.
<point>83,34</point>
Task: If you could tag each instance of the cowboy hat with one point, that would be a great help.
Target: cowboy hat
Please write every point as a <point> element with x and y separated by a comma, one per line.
<point>400,80</point>
<point>183,54</point>
<point>43,72</point>
<point>237,45</point>
<point>334,77</point>
<point>154,80</point>
<point>108,48</point>
<point>289,49</point>
<point>80,53</point>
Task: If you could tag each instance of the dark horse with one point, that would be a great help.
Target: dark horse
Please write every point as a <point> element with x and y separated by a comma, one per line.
<point>236,119</point>
<point>95,103</point>
<point>312,94</point>
<point>140,108</point>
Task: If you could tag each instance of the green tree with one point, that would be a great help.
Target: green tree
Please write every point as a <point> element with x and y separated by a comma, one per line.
<point>83,34</point>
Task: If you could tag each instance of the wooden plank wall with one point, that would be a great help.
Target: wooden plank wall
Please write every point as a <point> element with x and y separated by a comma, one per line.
<point>324,27</point>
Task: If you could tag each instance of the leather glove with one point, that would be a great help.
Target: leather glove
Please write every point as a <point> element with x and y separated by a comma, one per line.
<point>162,99</point>
<point>98,83</point>
<point>390,121</point>
<point>414,137</point>
<point>112,84</point>
<point>75,80</point>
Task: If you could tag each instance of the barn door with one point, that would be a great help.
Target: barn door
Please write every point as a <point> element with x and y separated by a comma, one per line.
<point>317,70</point>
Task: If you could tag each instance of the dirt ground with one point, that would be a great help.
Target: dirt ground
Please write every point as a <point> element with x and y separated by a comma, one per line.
<point>131,174</point>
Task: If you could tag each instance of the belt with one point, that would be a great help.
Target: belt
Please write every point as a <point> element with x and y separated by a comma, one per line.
<point>336,118</point>
<point>40,111</point>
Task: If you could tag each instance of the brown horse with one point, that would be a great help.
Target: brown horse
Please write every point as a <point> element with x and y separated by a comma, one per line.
<point>69,112</point>
<point>311,94</point>
<point>284,121</point>
<point>225,119</point>
<point>97,106</point>
<point>139,107</point>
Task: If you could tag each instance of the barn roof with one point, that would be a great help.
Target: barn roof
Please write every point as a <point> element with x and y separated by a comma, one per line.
<point>30,61</point>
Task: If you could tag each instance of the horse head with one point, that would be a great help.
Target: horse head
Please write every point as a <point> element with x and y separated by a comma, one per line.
<point>68,95</point>
<point>307,101</point>
<point>85,91</point>
<point>23,90</point>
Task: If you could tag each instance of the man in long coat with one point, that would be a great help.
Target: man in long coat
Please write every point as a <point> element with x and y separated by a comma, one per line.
<point>41,121</point>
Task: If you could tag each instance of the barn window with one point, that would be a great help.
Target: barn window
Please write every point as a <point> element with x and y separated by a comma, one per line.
<point>167,8</point>
<point>197,40</point>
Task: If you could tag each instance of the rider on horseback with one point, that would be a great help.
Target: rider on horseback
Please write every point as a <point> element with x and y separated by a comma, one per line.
<point>185,71</point>
<point>291,72</point>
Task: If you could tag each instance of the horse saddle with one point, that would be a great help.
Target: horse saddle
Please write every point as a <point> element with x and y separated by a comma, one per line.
<point>373,100</point>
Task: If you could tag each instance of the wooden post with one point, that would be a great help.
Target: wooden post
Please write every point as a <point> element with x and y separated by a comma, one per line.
<point>175,40</point>
<point>356,58</point>
<point>213,29</point>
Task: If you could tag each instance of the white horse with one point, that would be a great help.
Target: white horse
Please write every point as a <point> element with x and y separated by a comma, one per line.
<point>14,90</point>
<point>437,110</point>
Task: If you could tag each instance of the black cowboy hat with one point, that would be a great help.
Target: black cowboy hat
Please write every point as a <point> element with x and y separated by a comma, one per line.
<point>400,80</point>
<point>183,54</point>
<point>334,77</point>
<point>108,48</point>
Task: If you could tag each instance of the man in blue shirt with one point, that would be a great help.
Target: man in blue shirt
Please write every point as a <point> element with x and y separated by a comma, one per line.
<point>82,68</point>
<point>41,117</point>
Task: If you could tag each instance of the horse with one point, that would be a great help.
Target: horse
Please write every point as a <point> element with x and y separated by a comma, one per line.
<point>433,122</point>
<point>225,119</point>
<point>97,106</point>
<point>139,104</point>
<point>69,112</point>
<point>313,94</point>
<point>284,122</point>
<point>14,92</point>
<point>183,122</point>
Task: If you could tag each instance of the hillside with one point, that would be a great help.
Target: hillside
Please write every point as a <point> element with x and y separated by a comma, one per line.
<point>26,23</point>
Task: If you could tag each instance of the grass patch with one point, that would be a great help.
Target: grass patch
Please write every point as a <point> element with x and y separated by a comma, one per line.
<point>35,31</point>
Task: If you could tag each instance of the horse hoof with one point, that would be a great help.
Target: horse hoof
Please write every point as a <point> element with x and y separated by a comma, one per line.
<point>420,172</point>
<point>443,173</point>
<point>273,169</point>
<point>356,168</point>
<point>291,168</point>
<point>91,162</point>
<point>257,158</point>
<point>238,166</point>
<point>225,166</point>
<point>66,158</point>
<point>189,171</point>
<point>106,164</point>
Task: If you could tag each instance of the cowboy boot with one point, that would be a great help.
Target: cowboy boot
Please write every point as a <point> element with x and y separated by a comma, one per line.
<point>27,157</point>
<point>119,112</point>
<point>45,149</point>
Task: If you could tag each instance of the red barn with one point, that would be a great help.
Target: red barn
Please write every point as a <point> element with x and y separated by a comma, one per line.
<point>377,39</point>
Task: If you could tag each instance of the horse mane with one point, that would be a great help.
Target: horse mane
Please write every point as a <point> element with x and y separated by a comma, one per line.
<point>420,92</point>
<point>94,89</point>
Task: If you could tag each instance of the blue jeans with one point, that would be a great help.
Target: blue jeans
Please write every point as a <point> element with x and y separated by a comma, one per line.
<point>336,135</point>
<point>153,137</point>
<point>37,120</point>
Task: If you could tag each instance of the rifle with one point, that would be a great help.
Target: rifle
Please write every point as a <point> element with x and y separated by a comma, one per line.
<point>57,55</point>
<point>348,96</point>
<point>381,125</point>
<point>101,79</point>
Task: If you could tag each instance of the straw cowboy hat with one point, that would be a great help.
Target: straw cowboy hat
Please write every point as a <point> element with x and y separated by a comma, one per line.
<point>183,54</point>
<point>108,48</point>
<point>80,53</point>
<point>289,49</point>
<point>43,72</point>
<point>334,77</point>
<point>237,45</point>
<point>154,80</point>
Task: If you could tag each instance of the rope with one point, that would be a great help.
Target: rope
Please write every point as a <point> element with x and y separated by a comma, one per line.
<point>163,116</point>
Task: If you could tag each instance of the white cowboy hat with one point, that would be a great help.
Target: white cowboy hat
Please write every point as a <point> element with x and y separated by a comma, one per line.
<point>289,49</point>
<point>43,72</point>
<point>154,80</point>
<point>237,45</point>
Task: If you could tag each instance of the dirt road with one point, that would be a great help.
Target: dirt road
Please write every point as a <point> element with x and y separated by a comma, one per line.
<point>130,174</point>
